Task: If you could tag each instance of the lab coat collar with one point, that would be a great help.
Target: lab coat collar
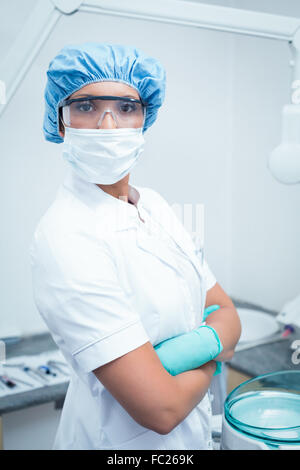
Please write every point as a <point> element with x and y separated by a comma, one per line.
<point>116,214</point>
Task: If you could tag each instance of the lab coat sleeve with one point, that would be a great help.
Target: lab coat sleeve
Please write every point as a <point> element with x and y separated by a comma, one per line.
<point>78,294</point>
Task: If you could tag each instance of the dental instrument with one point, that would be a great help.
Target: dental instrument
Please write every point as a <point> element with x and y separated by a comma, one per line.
<point>21,364</point>
<point>35,374</point>
<point>21,381</point>
<point>54,364</point>
<point>47,370</point>
<point>7,381</point>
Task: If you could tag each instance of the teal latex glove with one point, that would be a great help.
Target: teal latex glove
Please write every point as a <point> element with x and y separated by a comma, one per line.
<point>189,350</point>
<point>210,309</point>
<point>218,368</point>
<point>207,311</point>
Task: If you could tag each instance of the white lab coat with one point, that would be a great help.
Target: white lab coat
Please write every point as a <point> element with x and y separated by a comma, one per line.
<point>105,283</point>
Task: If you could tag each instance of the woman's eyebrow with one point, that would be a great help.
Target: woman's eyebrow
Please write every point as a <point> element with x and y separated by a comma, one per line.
<point>77,96</point>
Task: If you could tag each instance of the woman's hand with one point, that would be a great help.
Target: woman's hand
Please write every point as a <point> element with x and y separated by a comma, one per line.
<point>189,350</point>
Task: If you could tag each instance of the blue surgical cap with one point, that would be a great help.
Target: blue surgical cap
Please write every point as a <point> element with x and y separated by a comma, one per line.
<point>78,65</point>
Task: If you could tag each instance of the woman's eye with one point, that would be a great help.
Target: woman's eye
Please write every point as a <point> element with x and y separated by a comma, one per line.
<point>127,107</point>
<point>84,107</point>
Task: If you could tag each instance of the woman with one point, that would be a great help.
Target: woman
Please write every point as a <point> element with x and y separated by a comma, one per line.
<point>114,271</point>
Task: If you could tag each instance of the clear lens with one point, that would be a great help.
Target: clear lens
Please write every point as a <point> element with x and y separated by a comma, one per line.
<point>89,114</point>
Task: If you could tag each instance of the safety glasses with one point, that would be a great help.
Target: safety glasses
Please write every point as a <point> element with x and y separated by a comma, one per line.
<point>88,112</point>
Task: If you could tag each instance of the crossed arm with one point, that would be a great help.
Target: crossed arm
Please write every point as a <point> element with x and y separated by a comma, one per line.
<point>153,397</point>
<point>213,340</point>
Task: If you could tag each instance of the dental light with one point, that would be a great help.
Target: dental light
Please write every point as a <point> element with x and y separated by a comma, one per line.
<point>284,160</point>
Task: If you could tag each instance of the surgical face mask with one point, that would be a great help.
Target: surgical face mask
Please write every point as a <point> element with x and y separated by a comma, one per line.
<point>103,156</point>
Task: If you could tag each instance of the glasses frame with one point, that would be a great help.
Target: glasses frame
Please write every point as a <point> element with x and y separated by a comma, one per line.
<point>67,101</point>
